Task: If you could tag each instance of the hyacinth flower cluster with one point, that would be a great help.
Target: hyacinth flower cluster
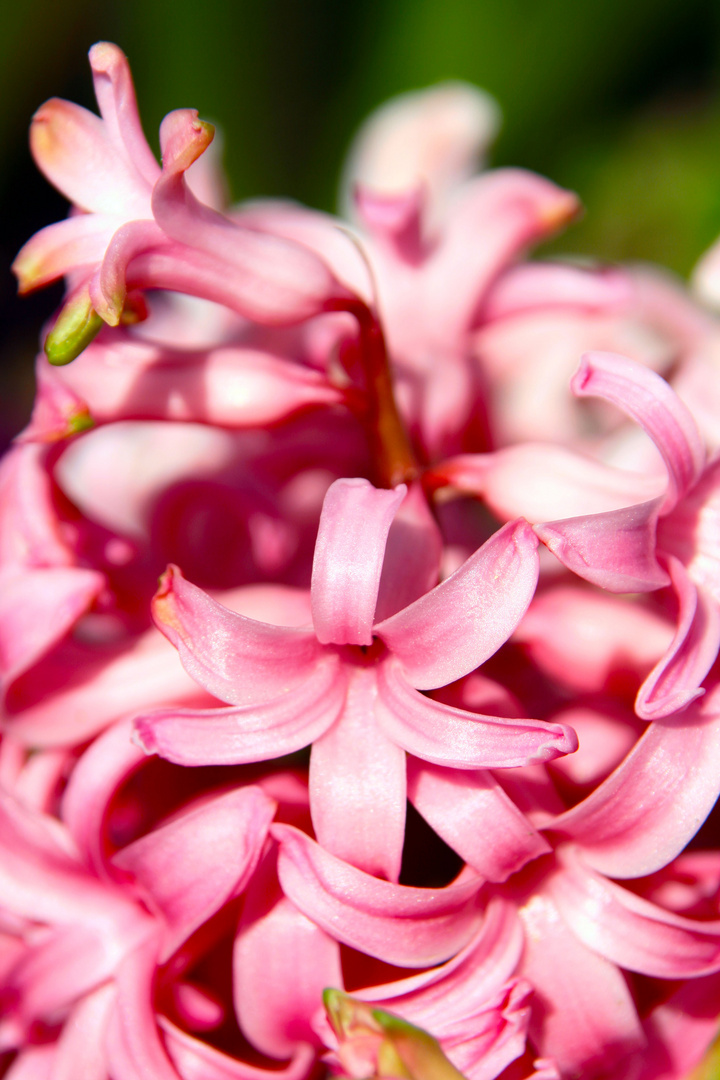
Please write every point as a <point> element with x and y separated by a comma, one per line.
<point>404,768</point>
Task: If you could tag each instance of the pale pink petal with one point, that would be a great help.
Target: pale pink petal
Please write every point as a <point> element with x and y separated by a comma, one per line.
<point>583,1012</point>
<point>433,137</point>
<point>37,608</point>
<point>615,550</point>
<point>674,681</point>
<point>412,555</point>
<point>629,930</point>
<point>647,810</point>
<point>80,240</point>
<point>282,962</point>
<point>357,785</point>
<point>196,1060</point>
<point>189,867</point>
<point>108,286</point>
<point>647,398</point>
<point>72,147</point>
<point>34,1063</point>
<point>236,659</point>
<point>472,814</point>
<point>462,740</point>
<point>80,1048</point>
<point>456,627</point>
<point>537,286</point>
<point>541,482</point>
<point>253,733</point>
<point>275,280</point>
<point>396,923</point>
<point>58,412</point>
<point>116,99</point>
<point>349,551</point>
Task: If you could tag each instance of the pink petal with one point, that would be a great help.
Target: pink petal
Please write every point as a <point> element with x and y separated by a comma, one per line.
<point>108,287</point>
<point>37,608</point>
<point>196,1060</point>
<point>253,733</point>
<point>472,814</point>
<point>282,962</point>
<point>615,550</point>
<point>647,398</point>
<point>412,555</point>
<point>80,1047</point>
<point>401,925</point>
<point>674,681</point>
<point>681,1030</point>
<point>357,786</point>
<point>116,99</point>
<point>189,867</point>
<point>537,286</point>
<point>542,482</point>
<point>34,1063</point>
<point>53,251</point>
<point>647,810</point>
<point>275,281</point>
<point>349,552</point>
<point>583,1012</point>
<point>72,147</point>
<point>29,527</point>
<point>132,1042</point>
<point>236,659</point>
<point>452,737</point>
<point>629,930</point>
<point>456,627</point>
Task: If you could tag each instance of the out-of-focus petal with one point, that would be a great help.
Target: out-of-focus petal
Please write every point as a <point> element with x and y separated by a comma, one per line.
<point>53,251</point>
<point>456,627</point>
<point>649,400</point>
<point>674,681</point>
<point>80,1047</point>
<point>396,923</point>
<point>349,552</point>
<point>189,867</point>
<point>475,817</point>
<point>452,737</point>
<point>358,787</point>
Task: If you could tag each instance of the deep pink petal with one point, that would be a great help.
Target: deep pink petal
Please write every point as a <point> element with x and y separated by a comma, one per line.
<point>674,681</point>
<point>349,552</point>
<point>396,923</point>
<point>475,817</point>
<point>647,398</point>
<point>679,1031</point>
<point>196,1060</point>
<point>452,737</point>
<point>250,733</point>
<point>37,608</point>
<point>357,785</point>
<point>615,550</point>
<point>282,962</point>
<point>630,931</point>
<point>583,1012</point>
<point>647,810</point>
<point>239,660</point>
<point>456,627</point>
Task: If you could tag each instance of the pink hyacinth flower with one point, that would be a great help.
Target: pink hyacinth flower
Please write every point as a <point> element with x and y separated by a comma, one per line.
<point>350,684</point>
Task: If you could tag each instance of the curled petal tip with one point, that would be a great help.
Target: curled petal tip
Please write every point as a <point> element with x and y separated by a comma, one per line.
<point>183,138</point>
<point>561,210</point>
<point>75,327</point>
<point>104,56</point>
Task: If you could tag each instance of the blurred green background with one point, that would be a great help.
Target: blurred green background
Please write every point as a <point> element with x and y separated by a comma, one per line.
<point>616,99</point>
